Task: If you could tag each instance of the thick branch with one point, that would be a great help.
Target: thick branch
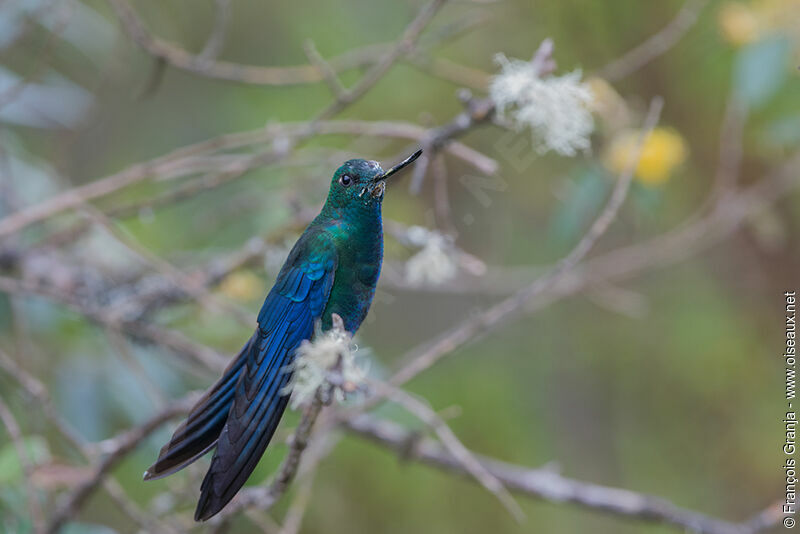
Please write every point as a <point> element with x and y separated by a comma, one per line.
<point>549,485</point>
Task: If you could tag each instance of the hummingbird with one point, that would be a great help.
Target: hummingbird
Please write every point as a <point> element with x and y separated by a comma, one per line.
<point>332,269</point>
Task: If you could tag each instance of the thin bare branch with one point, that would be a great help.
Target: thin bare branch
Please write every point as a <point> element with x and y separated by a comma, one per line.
<point>37,391</point>
<point>319,448</point>
<point>655,45</point>
<point>452,444</point>
<point>216,40</point>
<point>375,73</point>
<point>15,433</point>
<point>328,72</point>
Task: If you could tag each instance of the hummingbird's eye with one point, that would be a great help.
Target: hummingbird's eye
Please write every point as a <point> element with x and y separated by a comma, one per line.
<point>345,180</point>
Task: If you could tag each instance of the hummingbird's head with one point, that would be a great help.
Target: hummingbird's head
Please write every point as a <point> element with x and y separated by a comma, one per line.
<point>360,181</point>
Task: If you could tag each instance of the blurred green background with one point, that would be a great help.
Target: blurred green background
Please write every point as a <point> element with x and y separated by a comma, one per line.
<point>676,390</point>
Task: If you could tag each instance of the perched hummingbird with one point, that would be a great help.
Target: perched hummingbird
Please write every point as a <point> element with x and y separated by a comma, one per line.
<point>333,268</point>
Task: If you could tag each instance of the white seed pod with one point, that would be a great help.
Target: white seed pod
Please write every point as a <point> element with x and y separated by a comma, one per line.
<point>556,109</point>
<point>329,352</point>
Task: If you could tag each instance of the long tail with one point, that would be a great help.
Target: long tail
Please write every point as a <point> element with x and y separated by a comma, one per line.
<point>241,412</point>
<point>258,405</point>
<point>201,429</point>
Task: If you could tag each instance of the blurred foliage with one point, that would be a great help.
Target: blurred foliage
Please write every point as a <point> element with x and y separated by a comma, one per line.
<point>680,398</point>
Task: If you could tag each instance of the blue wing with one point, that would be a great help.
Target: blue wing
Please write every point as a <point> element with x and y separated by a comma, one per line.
<point>287,318</point>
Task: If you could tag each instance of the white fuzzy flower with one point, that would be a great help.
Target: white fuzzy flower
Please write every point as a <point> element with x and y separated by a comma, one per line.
<point>556,109</point>
<point>435,263</point>
<point>330,352</point>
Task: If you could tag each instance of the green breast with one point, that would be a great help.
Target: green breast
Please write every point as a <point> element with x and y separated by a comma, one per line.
<point>359,243</point>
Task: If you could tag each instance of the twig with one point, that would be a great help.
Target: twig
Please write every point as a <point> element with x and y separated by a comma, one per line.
<point>329,74</point>
<point>478,111</point>
<point>152,390</point>
<point>297,445</point>
<point>14,432</point>
<point>319,448</point>
<point>767,518</point>
<point>376,72</point>
<point>460,75</point>
<point>294,516</point>
<point>216,40</point>
<point>442,196</point>
<point>453,445</point>
<point>655,45</point>
<point>143,518</point>
<point>33,387</point>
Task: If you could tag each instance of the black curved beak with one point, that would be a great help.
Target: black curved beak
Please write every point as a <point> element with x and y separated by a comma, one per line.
<point>403,164</point>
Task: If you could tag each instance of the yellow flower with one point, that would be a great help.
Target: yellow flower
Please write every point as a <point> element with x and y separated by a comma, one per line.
<point>738,23</point>
<point>662,152</point>
<point>242,285</point>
